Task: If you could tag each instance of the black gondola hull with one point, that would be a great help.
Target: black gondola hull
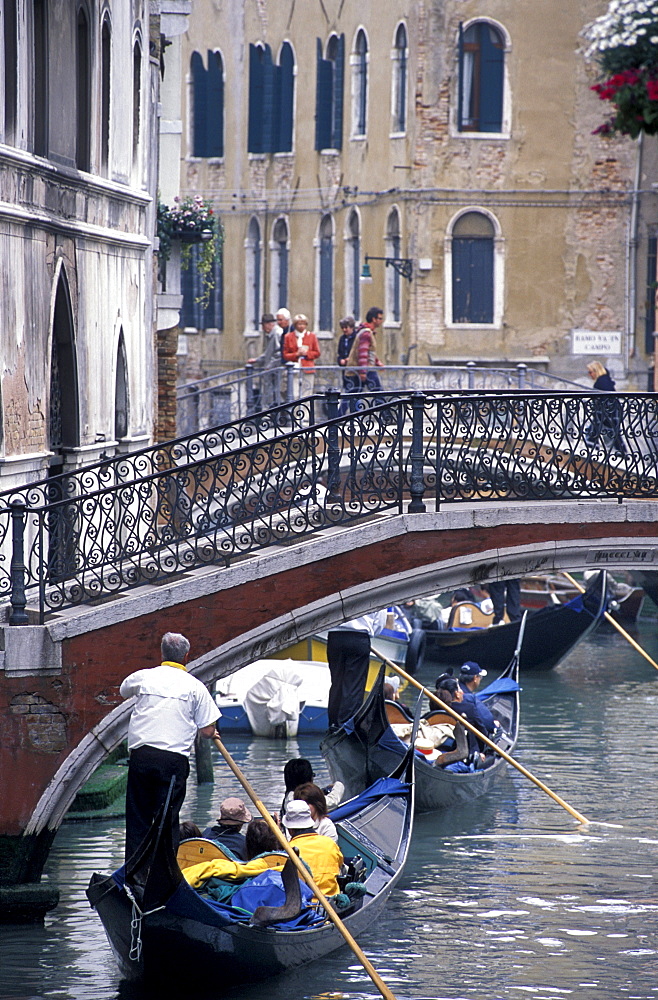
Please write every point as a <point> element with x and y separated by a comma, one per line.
<point>357,757</point>
<point>550,635</point>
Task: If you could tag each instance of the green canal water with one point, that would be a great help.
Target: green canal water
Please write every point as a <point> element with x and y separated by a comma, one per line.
<point>505,900</point>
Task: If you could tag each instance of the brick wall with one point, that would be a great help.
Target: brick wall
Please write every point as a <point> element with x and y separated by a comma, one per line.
<point>167,375</point>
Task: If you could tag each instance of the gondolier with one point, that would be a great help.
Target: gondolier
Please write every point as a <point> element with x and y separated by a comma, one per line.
<point>170,708</point>
<point>348,655</point>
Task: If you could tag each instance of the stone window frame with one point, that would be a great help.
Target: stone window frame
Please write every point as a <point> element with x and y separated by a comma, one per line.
<point>506,124</point>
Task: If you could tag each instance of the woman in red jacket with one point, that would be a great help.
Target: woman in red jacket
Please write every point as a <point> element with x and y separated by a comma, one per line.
<point>301,346</point>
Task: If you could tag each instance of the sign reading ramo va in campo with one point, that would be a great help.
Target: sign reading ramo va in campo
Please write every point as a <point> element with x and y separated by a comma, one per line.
<point>595,342</point>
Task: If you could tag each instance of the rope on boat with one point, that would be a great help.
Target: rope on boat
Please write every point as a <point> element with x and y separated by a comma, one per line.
<point>136,918</point>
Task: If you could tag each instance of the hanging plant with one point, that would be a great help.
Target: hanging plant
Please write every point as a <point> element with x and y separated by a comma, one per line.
<point>191,220</point>
<point>624,43</point>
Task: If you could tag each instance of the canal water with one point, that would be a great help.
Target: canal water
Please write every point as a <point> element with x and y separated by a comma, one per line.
<point>507,899</point>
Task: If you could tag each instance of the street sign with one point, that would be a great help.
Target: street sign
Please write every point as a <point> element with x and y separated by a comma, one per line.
<point>595,342</point>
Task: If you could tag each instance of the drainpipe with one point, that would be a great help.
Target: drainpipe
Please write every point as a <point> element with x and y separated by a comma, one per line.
<point>631,260</point>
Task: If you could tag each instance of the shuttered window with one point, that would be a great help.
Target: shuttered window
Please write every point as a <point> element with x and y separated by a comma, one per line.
<point>326,275</point>
<point>329,94</point>
<point>271,100</point>
<point>193,312</point>
<point>399,91</point>
<point>481,78</point>
<point>473,269</point>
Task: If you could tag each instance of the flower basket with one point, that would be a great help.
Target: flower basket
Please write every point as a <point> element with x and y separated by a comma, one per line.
<point>189,221</point>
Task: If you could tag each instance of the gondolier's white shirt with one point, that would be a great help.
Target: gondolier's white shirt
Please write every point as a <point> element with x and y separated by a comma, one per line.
<point>372,624</point>
<point>171,707</point>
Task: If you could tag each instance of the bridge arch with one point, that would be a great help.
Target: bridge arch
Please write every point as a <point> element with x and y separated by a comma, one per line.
<point>344,574</point>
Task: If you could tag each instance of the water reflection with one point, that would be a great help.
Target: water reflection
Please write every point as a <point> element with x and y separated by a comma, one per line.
<point>505,898</point>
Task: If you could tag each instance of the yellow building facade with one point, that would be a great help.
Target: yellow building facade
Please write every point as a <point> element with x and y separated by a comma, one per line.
<point>453,137</point>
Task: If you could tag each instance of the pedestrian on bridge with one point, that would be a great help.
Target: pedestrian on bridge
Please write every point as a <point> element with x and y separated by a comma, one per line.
<point>170,708</point>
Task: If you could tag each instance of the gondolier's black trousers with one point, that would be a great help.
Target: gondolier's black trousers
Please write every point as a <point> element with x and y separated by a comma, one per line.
<point>348,654</point>
<point>149,773</point>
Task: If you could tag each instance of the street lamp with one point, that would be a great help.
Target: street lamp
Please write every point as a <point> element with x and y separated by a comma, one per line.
<point>403,265</point>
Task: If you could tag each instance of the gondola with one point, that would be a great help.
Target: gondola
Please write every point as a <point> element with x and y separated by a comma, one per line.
<point>550,634</point>
<point>163,931</point>
<point>366,747</point>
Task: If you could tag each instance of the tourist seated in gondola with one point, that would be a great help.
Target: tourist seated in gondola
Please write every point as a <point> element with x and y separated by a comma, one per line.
<point>317,803</point>
<point>321,854</point>
<point>187,829</point>
<point>298,771</point>
<point>259,839</point>
<point>450,692</point>
<point>233,814</point>
<point>470,676</point>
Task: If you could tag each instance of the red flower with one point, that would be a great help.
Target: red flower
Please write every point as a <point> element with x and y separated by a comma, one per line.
<point>652,90</point>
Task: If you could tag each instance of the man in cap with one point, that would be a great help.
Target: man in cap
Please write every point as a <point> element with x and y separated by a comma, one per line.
<point>321,854</point>
<point>268,361</point>
<point>233,814</point>
<point>470,675</point>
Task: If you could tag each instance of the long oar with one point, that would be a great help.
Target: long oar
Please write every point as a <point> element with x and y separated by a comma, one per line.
<point>502,753</point>
<point>304,873</point>
<point>608,617</point>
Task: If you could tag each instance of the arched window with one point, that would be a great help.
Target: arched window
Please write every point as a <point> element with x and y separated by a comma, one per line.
<point>137,100</point>
<point>353,265</point>
<point>253,248</point>
<point>121,422</point>
<point>11,68</point>
<point>360,84</point>
<point>106,86</point>
<point>481,78</point>
<point>326,274</point>
<point>207,112</point>
<point>285,73</point>
<point>83,92</point>
<point>280,260</point>
<point>393,247</point>
<point>329,94</point>
<point>400,57</point>
<point>473,269</point>
<point>271,100</point>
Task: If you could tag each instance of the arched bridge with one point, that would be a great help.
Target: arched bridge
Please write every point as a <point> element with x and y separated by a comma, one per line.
<point>255,535</point>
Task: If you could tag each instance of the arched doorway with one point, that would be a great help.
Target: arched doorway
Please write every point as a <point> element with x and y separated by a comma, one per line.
<point>121,402</point>
<point>64,430</point>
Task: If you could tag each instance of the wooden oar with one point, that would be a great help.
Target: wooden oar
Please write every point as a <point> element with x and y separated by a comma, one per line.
<point>502,753</point>
<point>608,617</point>
<point>304,873</point>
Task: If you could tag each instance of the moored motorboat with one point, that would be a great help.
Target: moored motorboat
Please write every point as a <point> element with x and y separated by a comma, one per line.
<point>366,746</point>
<point>163,931</point>
<point>275,698</point>
<point>550,634</point>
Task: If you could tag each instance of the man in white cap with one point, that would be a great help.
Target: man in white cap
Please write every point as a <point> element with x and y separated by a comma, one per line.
<point>321,854</point>
<point>233,814</point>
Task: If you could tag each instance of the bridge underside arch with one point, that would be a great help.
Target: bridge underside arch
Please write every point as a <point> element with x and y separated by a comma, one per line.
<point>236,615</point>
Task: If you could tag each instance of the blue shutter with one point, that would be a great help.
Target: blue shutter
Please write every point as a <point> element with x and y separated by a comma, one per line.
<point>492,62</point>
<point>460,88</point>
<point>269,113</point>
<point>255,127</point>
<point>326,283</point>
<point>283,274</point>
<point>339,74</point>
<point>323,99</point>
<point>199,105</point>
<point>286,99</point>
<point>215,118</point>
<point>472,280</point>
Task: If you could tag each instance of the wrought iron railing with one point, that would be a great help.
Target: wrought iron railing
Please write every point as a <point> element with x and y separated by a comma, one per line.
<point>238,393</point>
<point>400,453</point>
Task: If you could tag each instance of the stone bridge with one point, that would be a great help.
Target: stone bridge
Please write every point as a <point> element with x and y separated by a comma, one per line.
<point>346,517</point>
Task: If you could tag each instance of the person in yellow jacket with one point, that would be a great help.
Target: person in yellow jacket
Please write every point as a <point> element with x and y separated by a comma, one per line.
<point>321,854</point>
